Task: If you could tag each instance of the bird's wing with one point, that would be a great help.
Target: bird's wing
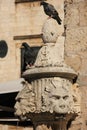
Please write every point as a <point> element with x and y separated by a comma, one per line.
<point>52,9</point>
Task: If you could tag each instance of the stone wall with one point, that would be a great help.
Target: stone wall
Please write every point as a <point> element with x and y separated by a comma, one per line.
<point>76,50</point>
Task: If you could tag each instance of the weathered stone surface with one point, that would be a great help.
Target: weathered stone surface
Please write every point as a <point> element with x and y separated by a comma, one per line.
<point>83,13</point>
<point>77,98</point>
<point>82,80</point>
<point>68,1</point>
<point>50,55</point>
<point>80,121</point>
<point>71,15</point>
<point>76,14</point>
<point>76,40</point>
<point>75,1</point>
<point>76,124</point>
<point>51,30</point>
<point>83,69</point>
<point>76,48</point>
<point>25,101</point>
<point>74,61</point>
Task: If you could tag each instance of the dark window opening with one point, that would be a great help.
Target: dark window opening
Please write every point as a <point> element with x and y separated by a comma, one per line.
<point>7,111</point>
<point>3,49</point>
<point>31,58</point>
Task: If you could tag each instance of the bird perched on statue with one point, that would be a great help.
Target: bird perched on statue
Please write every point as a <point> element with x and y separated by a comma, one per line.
<point>28,55</point>
<point>51,11</point>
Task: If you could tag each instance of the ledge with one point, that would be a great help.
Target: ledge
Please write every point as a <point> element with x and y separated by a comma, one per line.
<point>45,72</point>
<point>22,37</point>
<point>22,1</point>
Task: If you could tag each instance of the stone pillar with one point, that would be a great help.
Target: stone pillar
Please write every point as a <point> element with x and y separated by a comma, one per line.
<point>49,96</point>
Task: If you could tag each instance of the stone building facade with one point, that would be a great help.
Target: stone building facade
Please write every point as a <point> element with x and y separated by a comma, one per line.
<point>76,49</point>
<point>22,22</point>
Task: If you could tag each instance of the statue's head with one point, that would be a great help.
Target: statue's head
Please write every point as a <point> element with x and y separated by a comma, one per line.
<point>60,99</point>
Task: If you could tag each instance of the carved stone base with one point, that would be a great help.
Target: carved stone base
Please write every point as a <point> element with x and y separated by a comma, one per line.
<point>45,97</point>
<point>59,122</point>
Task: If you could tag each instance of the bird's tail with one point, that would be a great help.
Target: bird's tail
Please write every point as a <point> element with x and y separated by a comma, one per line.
<point>58,20</point>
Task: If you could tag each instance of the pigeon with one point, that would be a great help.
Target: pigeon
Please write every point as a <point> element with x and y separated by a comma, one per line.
<point>28,55</point>
<point>51,11</point>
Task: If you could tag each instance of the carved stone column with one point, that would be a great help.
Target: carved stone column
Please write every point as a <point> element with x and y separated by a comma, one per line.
<point>49,97</point>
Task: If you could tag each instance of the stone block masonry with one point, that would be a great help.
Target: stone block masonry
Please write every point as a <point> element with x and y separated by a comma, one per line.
<point>76,50</point>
